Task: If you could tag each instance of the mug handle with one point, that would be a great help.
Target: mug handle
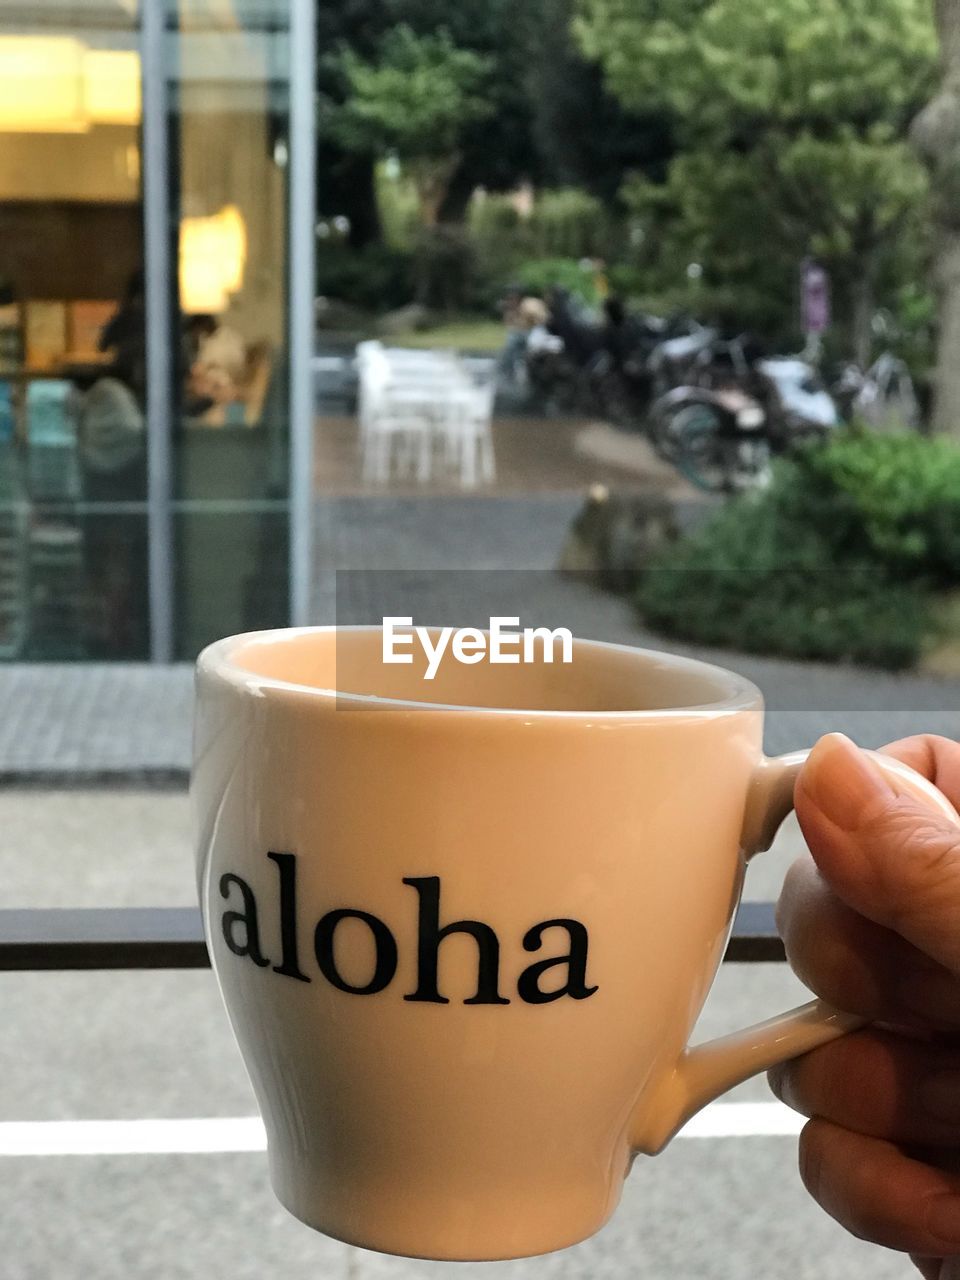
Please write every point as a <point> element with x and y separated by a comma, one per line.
<point>707,1071</point>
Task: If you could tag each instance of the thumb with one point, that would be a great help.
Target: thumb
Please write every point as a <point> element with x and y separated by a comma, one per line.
<point>883,851</point>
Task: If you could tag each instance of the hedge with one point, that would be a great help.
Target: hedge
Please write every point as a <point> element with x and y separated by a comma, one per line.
<point>841,558</point>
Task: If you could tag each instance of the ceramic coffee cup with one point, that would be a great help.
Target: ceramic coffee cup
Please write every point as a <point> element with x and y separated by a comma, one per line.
<point>463,928</point>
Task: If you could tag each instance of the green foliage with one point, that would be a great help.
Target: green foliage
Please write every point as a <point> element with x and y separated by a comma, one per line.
<point>584,136</point>
<point>397,206</point>
<point>498,150</point>
<point>494,218</point>
<point>546,247</point>
<point>904,493</point>
<point>446,270</point>
<point>540,274</point>
<point>728,67</point>
<point>838,559</point>
<point>793,121</point>
<point>570,223</point>
<point>413,100</point>
<point>375,278</point>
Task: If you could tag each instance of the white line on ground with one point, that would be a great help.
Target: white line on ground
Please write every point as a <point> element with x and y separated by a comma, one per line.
<point>246,1133</point>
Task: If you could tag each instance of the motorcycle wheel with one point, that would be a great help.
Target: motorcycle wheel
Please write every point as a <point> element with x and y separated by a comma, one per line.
<point>692,437</point>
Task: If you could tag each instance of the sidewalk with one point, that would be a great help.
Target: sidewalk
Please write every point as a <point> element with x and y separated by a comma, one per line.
<point>64,719</point>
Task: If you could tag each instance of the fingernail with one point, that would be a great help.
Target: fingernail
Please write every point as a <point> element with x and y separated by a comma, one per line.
<point>943,1219</point>
<point>939,1096</point>
<point>843,782</point>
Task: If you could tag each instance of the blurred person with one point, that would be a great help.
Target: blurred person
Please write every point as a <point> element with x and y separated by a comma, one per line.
<point>510,362</point>
<point>871,923</point>
<point>217,361</point>
<point>124,337</point>
<point>536,318</point>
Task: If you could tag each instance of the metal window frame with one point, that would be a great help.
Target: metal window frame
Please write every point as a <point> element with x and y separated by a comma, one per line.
<point>134,938</point>
<point>159,325</point>
<point>301,276</point>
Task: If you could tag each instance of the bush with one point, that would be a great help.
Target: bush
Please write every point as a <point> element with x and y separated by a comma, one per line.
<point>902,498</point>
<point>446,269</point>
<point>540,274</point>
<point>838,559</point>
<point>494,218</point>
<point>563,226</point>
<point>376,278</point>
<point>570,223</point>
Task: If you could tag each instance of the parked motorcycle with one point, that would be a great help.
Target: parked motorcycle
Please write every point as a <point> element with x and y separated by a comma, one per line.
<point>738,411</point>
<point>615,366</point>
<point>714,438</point>
<point>646,357</point>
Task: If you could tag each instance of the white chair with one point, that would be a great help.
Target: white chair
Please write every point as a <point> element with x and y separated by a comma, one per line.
<point>413,401</point>
<point>468,432</point>
<point>391,413</point>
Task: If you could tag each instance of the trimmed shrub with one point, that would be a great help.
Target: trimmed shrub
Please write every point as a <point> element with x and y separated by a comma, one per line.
<point>839,559</point>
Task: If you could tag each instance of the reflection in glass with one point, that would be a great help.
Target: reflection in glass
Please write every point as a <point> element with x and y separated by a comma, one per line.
<point>72,378</point>
<point>231,487</point>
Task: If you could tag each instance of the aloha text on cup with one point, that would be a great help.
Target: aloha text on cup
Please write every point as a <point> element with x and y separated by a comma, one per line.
<point>504,644</point>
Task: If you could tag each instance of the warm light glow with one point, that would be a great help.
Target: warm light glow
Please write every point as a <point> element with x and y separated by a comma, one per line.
<point>41,85</point>
<point>54,84</point>
<point>213,258</point>
<point>112,86</point>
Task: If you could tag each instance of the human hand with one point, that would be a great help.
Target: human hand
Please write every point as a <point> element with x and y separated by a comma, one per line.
<point>871,923</point>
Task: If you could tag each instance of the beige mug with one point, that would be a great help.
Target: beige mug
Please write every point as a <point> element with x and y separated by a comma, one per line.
<point>464,927</point>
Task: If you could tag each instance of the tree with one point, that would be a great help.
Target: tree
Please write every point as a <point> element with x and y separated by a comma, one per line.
<point>793,118</point>
<point>345,179</point>
<point>414,100</point>
<point>499,150</point>
<point>936,134</point>
<point>584,136</point>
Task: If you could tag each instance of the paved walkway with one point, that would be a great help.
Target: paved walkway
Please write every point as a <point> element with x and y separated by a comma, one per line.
<point>533,455</point>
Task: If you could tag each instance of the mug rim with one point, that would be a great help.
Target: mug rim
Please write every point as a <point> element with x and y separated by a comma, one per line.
<point>740,694</point>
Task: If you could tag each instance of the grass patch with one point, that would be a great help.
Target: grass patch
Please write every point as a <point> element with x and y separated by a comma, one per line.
<point>480,335</point>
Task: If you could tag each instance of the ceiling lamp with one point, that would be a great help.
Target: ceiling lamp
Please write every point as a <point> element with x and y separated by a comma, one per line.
<point>213,259</point>
<point>42,85</point>
<point>112,86</point>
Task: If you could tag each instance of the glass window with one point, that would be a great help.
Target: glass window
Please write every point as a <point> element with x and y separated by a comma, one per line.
<point>73,546</point>
<point>230,153</point>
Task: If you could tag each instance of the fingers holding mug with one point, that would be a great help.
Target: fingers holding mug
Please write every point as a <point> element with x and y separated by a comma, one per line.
<point>880,1194</point>
<point>913,1098</point>
<point>855,964</point>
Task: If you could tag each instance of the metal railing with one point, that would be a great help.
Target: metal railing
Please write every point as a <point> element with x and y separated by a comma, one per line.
<point>172,938</point>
